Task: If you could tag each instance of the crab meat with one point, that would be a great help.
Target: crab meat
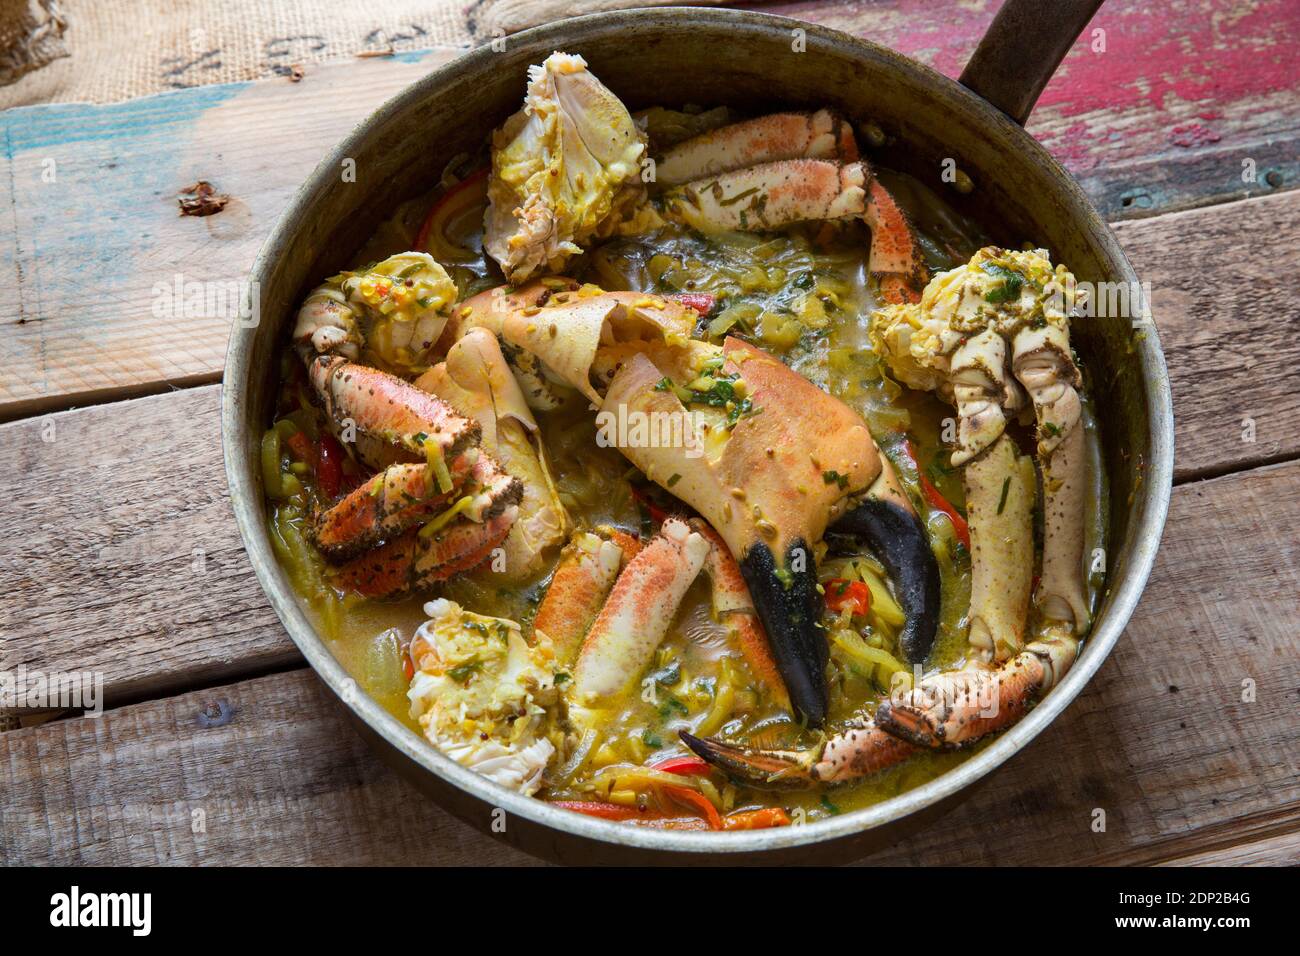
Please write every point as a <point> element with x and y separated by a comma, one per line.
<point>565,168</point>
<point>480,694</point>
<point>396,310</point>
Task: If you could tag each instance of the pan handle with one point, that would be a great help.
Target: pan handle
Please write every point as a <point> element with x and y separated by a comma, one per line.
<point>1022,49</point>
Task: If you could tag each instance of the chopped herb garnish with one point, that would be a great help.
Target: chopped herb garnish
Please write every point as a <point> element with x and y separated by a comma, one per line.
<point>673,706</point>
<point>461,673</point>
<point>651,739</point>
<point>673,479</point>
<point>1012,282</point>
<point>829,807</point>
<point>1006,486</point>
<point>562,678</point>
<point>833,477</point>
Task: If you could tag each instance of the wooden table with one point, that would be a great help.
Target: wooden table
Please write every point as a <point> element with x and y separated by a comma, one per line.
<point>120,553</point>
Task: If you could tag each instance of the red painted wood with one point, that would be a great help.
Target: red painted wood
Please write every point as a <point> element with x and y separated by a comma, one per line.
<point>1182,91</point>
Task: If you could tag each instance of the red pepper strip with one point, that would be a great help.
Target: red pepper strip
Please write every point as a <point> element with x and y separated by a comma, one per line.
<point>941,503</point>
<point>408,666</point>
<point>683,766</point>
<point>701,302</point>
<point>841,593</point>
<point>656,513</point>
<point>936,500</point>
<point>756,819</point>
<point>329,469</point>
<point>595,808</point>
<point>696,801</point>
<point>442,202</point>
<point>300,445</point>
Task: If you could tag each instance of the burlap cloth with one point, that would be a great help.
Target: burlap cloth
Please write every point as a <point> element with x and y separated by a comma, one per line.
<point>100,51</point>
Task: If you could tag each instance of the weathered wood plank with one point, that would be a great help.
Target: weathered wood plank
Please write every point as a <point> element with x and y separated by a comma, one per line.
<point>1166,740</point>
<point>1283,850</point>
<point>121,553</point>
<point>122,542</point>
<point>1219,291</point>
<point>91,234</point>
<point>1156,112</point>
<point>1163,118</point>
<point>265,771</point>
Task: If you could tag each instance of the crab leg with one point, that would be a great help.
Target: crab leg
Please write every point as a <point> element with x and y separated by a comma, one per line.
<point>820,135</point>
<point>1044,366</point>
<point>734,607</point>
<point>954,709</point>
<point>412,561</point>
<point>1000,491</point>
<point>389,409</point>
<point>578,589</point>
<point>855,752</point>
<point>405,495</point>
<point>640,608</point>
<point>770,197</point>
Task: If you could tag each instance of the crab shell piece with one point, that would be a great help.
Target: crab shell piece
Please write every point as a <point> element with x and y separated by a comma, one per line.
<point>476,381</point>
<point>563,168</point>
<point>638,613</point>
<point>823,134</point>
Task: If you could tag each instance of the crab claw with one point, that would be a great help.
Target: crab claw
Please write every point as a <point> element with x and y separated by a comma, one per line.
<point>857,751</point>
<point>896,536</point>
<point>764,769</point>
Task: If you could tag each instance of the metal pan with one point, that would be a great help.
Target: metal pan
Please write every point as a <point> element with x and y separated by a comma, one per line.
<point>760,63</point>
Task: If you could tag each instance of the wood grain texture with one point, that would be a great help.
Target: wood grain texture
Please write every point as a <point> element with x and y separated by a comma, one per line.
<point>91,239</point>
<point>121,553</point>
<point>123,543</point>
<point>267,771</point>
<point>1163,118</point>
<point>1156,112</point>
<point>1220,292</point>
<point>1161,741</point>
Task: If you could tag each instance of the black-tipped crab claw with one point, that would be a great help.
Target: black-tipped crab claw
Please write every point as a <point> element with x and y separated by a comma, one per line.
<point>793,463</point>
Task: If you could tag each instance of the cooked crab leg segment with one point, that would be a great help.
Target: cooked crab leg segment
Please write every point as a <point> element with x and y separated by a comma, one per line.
<point>578,589</point>
<point>769,197</point>
<point>820,135</point>
<point>387,408</point>
<point>895,257</point>
<point>1000,489</point>
<point>478,383</point>
<point>415,560</point>
<point>1044,366</point>
<point>954,709</point>
<point>853,753</point>
<point>640,608</point>
<point>405,495</point>
<point>734,608</point>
